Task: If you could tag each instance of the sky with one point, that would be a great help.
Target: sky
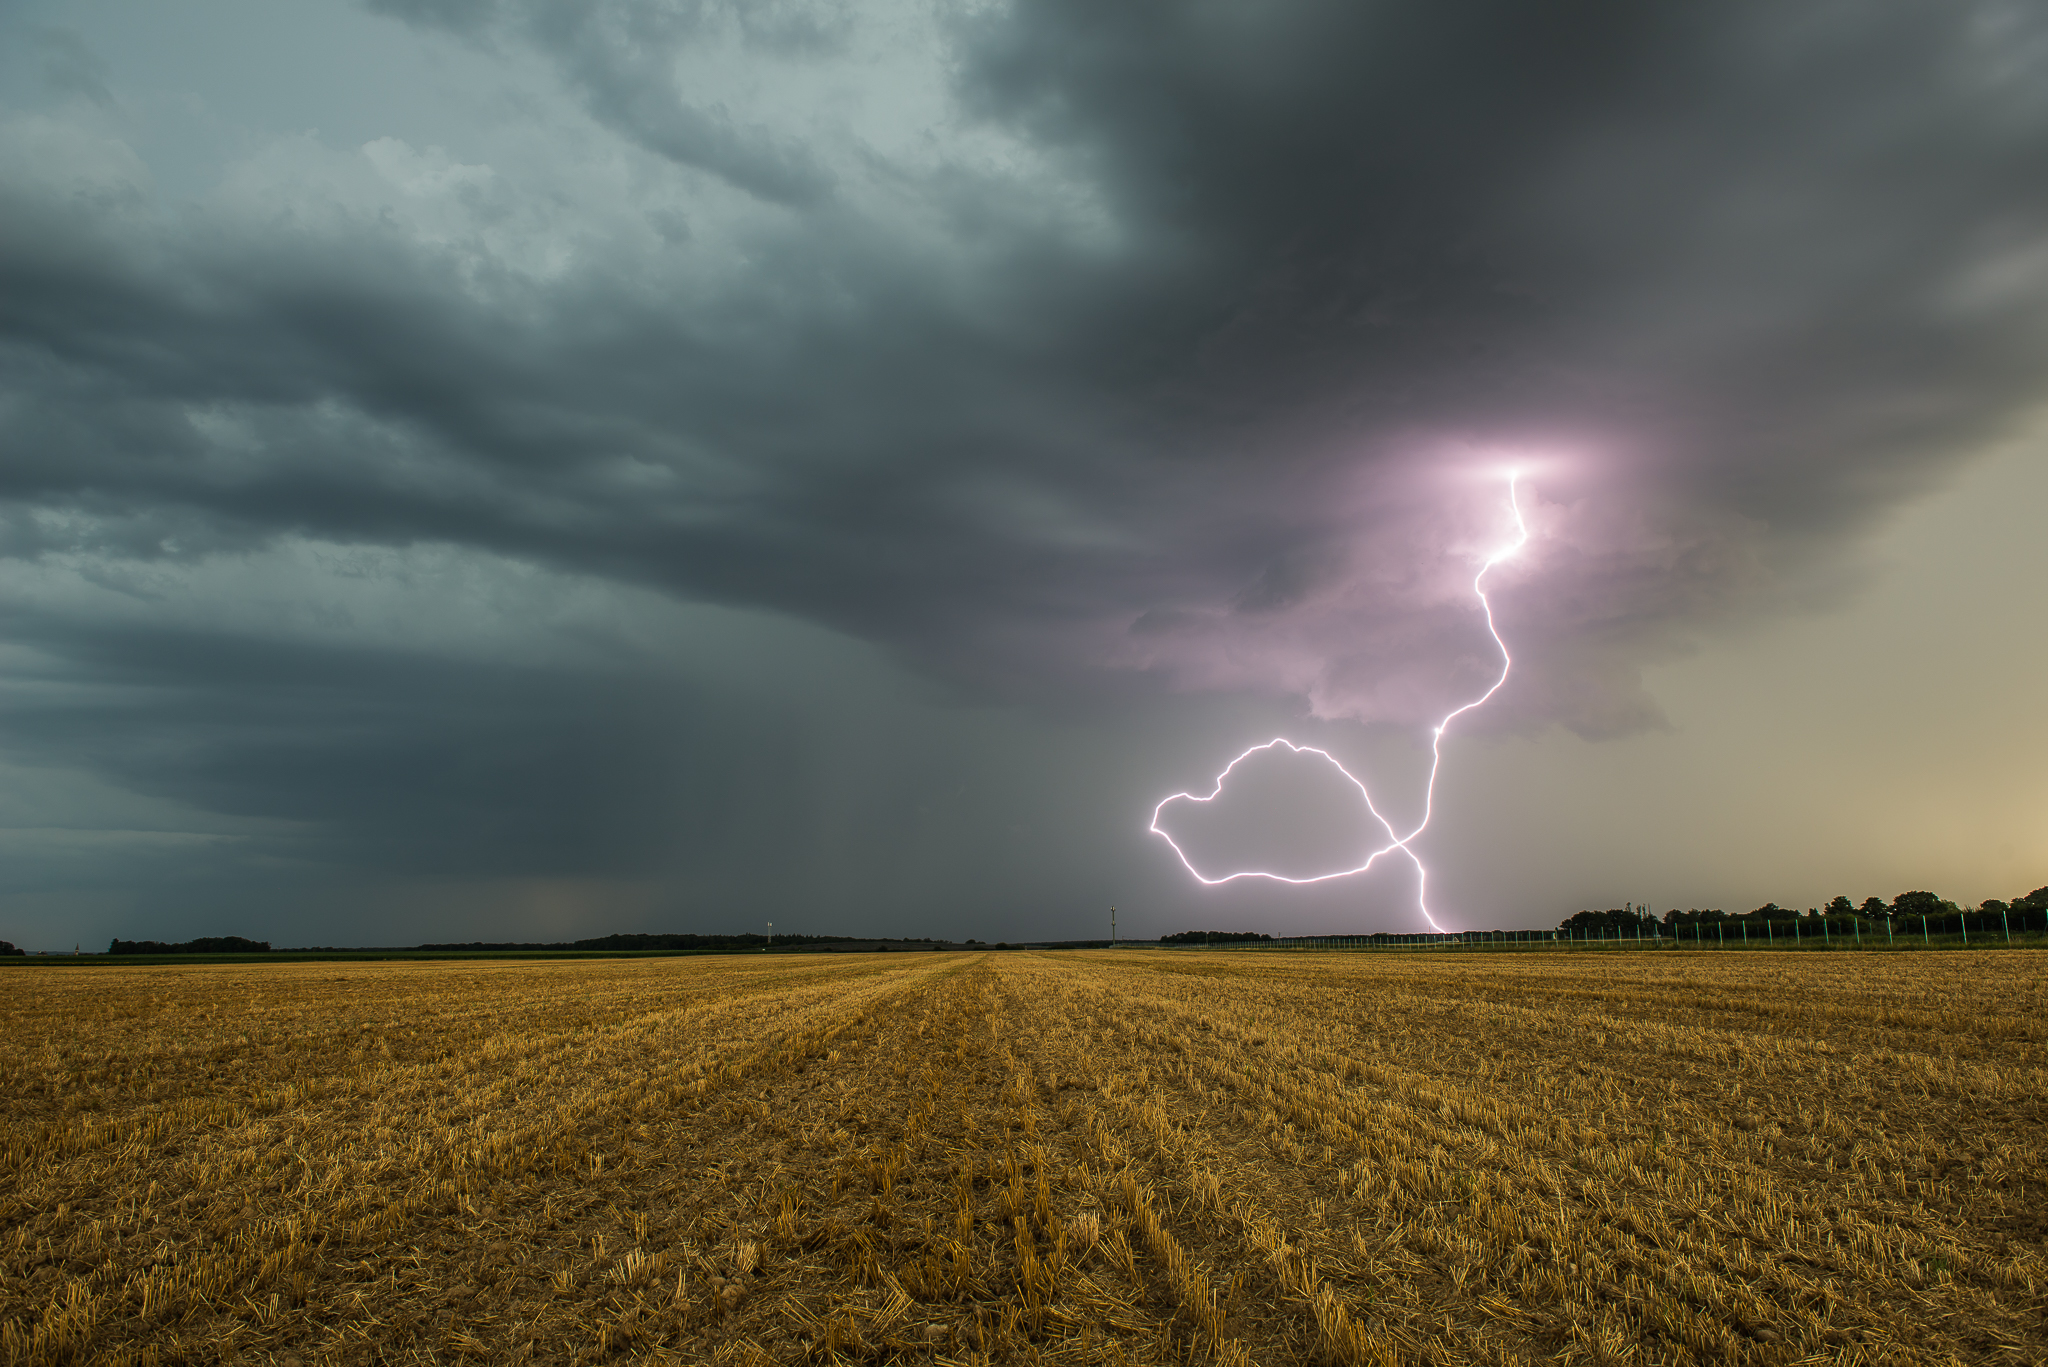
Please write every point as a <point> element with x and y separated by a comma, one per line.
<point>533,469</point>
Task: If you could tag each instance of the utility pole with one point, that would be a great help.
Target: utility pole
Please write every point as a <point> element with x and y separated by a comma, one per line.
<point>771,937</point>
<point>1112,927</point>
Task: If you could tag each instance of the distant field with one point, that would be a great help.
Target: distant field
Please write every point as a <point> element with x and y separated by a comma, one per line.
<point>1088,1157</point>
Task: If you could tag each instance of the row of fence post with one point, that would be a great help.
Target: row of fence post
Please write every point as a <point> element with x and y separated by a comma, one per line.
<point>1656,939</point>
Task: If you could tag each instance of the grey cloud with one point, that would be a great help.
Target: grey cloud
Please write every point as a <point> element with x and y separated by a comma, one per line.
<point>416,766</point>
<point>1735,281</point>
<point>1359,239</point>
<point>71,68</point>
<point>619,57</point>
<point>1358,236</point>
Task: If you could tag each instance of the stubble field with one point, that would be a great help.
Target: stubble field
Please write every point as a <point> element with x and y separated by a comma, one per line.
<point>1136,1157</point>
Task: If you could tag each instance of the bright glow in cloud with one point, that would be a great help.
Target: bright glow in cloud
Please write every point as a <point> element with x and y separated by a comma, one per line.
<point>1395,841</point>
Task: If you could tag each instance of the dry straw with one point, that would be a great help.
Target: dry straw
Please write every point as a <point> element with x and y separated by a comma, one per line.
<point>1086,1158</point>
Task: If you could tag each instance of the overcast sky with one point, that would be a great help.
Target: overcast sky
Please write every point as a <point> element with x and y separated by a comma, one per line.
<point>537,468</point>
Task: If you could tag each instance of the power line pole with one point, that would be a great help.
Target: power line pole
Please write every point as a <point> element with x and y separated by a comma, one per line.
<point>1112,927</point>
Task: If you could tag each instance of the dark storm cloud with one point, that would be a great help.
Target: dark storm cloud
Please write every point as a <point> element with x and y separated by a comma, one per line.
<point>366,757</point>
<point>1737,261</point>
<point>1184,405</point>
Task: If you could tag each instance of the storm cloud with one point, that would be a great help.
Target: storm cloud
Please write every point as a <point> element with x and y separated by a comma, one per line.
<point>1028,360</point>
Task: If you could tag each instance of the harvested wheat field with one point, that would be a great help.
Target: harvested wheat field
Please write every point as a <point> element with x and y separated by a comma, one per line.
<point>1134,1157</point>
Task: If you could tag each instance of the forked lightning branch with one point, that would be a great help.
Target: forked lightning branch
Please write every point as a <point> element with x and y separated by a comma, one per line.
<point>1395,840</point>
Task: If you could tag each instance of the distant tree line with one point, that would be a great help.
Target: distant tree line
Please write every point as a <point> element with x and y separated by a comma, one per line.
<point>1212,937</point>
<point>235,944</point>
<point>7,947</point>
<point>210,944</point>
<point>2027,912</point>
<point>1616,921</point>
<point>750,940</point>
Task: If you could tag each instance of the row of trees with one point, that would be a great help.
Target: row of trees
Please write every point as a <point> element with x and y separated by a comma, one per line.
<point>1212,937</point>
<point>210,944</point>
<point>235,944</point>
<point>1940,911</point>
<point>747,940</point>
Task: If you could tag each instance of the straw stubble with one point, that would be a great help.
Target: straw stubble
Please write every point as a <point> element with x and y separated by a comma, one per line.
<point>1138,1157</point>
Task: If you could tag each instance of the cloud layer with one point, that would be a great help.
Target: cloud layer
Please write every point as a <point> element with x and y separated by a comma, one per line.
<point>1066,353</point>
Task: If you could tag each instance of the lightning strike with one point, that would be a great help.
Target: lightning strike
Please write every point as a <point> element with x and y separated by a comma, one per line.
<point>1395,841</point>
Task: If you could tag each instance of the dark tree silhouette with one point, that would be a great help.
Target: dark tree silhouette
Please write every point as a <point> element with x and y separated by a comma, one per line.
<point>1919,904</point>
<point>207,944</point>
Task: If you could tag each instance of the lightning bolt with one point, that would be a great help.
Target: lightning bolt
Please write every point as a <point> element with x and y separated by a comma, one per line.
<point>1395,841</point>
